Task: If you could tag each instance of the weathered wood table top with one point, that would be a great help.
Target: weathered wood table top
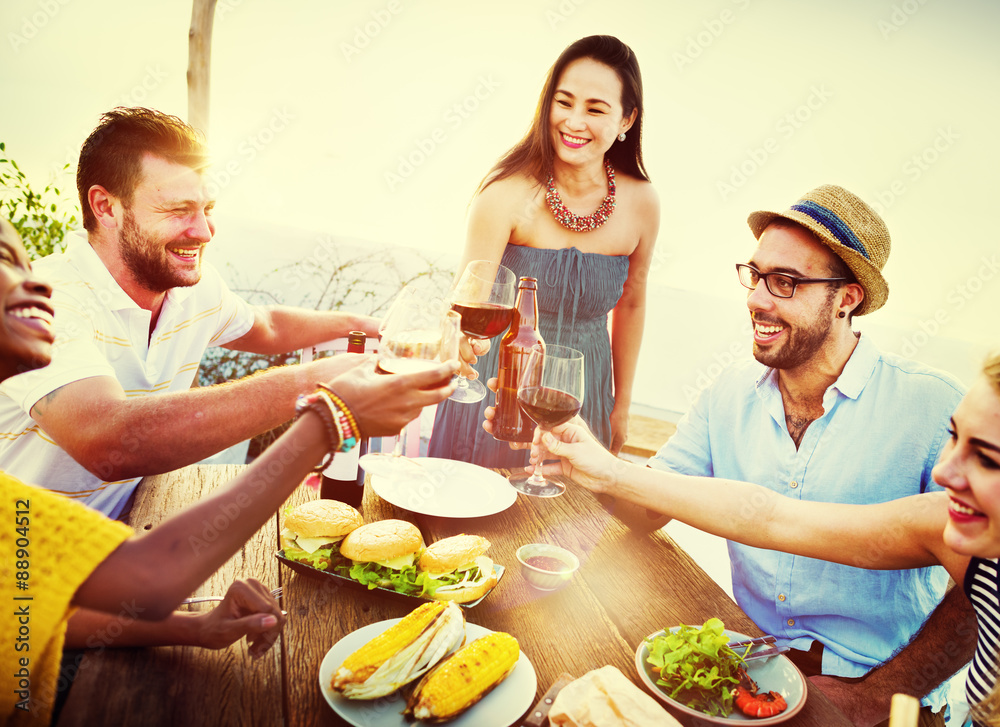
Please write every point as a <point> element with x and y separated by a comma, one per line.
<point>630,584</point>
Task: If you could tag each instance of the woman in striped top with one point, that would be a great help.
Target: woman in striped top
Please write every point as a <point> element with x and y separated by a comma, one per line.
<point>958,528</point>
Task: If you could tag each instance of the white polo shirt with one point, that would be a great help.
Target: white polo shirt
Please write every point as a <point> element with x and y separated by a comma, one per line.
<point>100,331</point>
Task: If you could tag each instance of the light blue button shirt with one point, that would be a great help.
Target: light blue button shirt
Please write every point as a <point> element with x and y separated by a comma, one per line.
<point>884,425</point>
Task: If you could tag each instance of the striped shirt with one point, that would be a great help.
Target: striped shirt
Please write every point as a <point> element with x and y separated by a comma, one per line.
<point>982,586</point>
<point>101,332</point>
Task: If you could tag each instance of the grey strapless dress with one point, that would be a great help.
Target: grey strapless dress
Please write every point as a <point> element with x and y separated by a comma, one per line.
<point>576,291</point>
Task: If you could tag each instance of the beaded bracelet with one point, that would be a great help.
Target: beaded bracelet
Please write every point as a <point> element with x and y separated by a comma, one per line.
<point>344,409</point>
<point>347,434</point>
<point>316,404</point>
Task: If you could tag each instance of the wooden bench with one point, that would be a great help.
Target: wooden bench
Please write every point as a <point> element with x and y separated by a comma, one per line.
<point>646,435</point>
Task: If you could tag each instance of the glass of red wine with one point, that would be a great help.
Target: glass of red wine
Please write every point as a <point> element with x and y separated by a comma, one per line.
<point>484,297</point>
<point>550,393</point>
<point>417,335</point>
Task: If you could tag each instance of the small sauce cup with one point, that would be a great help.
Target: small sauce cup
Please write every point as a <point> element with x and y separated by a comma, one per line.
<point>547,567</point>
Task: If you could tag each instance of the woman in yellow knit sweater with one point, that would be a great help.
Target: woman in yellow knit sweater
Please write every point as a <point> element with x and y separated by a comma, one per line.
<point>58,554</point>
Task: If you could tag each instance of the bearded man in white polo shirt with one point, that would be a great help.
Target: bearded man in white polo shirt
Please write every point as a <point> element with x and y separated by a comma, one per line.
<point>135,308</point>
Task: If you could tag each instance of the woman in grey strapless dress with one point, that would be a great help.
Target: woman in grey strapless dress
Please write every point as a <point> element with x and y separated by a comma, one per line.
<point>582,152</point>
<point>576,291</point>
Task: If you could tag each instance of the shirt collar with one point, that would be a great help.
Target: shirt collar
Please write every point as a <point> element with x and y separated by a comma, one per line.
<point>82,256</point>
<point>88,263</point>
<point>851,382</point>
<point>858,369</point>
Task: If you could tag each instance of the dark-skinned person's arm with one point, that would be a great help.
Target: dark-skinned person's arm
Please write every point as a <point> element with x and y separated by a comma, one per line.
<point>160,568</point>
<point>248,609</point>
<point>944,644</point>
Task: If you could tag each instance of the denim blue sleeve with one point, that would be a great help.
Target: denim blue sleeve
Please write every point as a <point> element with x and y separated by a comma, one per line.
<point>689,450</point>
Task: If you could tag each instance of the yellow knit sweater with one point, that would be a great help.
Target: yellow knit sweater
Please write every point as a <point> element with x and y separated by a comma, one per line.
<point>49,544</point>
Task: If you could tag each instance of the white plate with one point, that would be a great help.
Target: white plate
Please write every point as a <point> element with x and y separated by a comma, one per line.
<point>500,708</point>
<point>445,488</point>
<point>773,674</point>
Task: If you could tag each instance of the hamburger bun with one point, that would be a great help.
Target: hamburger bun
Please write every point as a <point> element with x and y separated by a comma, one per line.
<point>467,593</point>
<point>444,556</point>
<point>318,519</point>
<point>382,541</point>
<point>460,551</point>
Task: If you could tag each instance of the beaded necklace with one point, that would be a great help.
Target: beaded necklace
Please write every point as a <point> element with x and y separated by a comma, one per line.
<point>577,223</point>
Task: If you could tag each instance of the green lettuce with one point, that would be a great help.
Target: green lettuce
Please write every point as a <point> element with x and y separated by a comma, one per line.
<point>697,667</point>
<point>408,580</point>
<point>320,559</point>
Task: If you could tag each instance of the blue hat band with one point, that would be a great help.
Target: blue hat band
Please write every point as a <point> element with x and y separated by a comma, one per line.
<point>836,226</point>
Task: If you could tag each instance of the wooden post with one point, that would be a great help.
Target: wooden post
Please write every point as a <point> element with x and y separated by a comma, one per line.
<point>200,63</point>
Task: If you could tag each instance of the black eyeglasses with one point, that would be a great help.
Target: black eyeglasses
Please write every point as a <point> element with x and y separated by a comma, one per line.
<point>780,285</point>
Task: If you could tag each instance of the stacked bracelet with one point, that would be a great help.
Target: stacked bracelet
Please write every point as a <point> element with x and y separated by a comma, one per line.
<point>347,435</point>
<point>315,404</point>
<point>344,410</point>
<point>341,426</point>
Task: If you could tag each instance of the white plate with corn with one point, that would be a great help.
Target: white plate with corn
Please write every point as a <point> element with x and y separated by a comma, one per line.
<point>501,707</point>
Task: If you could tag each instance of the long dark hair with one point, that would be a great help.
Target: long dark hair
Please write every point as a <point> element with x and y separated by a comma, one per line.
<point>533,155</point>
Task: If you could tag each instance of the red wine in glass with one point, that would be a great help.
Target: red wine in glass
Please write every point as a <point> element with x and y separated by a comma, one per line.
<point>548,407</point>
<point>550,392</point>
<point>484,320</point>
<point>484,298</point>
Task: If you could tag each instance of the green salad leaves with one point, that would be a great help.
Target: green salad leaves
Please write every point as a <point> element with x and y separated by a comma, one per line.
<point>697,667</point>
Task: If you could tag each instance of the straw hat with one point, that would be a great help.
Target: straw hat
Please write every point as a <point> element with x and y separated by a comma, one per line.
<point>849,227</point>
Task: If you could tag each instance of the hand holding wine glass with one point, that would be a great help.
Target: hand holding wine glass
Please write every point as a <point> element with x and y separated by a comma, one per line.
<point>550,393</point>
<point>484,297</point>
<point>417,335</point>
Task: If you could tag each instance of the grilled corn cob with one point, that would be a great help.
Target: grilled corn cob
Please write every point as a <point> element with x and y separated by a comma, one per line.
<point>402,652</point>
<point>464,678</point>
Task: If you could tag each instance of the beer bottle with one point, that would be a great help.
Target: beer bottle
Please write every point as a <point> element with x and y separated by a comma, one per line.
<point>509,422</point>
<point>343,479</point>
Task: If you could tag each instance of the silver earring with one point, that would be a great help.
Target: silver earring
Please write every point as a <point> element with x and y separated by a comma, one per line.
<point>621,136</point>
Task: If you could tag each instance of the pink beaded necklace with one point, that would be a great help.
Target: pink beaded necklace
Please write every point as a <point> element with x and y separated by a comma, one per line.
<point>577,223</point>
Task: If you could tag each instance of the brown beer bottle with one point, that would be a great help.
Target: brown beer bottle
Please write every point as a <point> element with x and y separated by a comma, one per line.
<point>509,422</point>
<point>343,479</point>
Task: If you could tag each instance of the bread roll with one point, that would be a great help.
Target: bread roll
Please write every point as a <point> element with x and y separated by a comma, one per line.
<point>607,698</point>
<point>323,518</point>
<point>381,541</point>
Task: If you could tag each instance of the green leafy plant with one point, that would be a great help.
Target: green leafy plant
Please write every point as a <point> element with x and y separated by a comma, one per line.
<point>41,218</point>
<point>696,666</point>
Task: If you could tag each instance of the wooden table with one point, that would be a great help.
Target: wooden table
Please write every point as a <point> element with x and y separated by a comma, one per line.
<point>630,584</point>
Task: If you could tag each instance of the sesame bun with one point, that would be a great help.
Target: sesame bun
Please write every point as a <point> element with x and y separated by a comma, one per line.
<point>323,518</point>
<point>444,556</point>
<point>382,540</point>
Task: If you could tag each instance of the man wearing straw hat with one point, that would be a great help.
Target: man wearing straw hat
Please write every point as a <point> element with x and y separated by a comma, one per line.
<point>830,418</point>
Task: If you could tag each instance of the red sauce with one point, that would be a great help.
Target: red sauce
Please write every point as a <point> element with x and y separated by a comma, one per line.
<point>551,565</point>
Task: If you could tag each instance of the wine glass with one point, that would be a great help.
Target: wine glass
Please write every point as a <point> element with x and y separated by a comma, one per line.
<point>550,393</point>
<point>484,296</point>
<point>417,335</point>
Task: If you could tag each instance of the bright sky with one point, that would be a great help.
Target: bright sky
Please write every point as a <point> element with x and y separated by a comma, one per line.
<point>376,120</point>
